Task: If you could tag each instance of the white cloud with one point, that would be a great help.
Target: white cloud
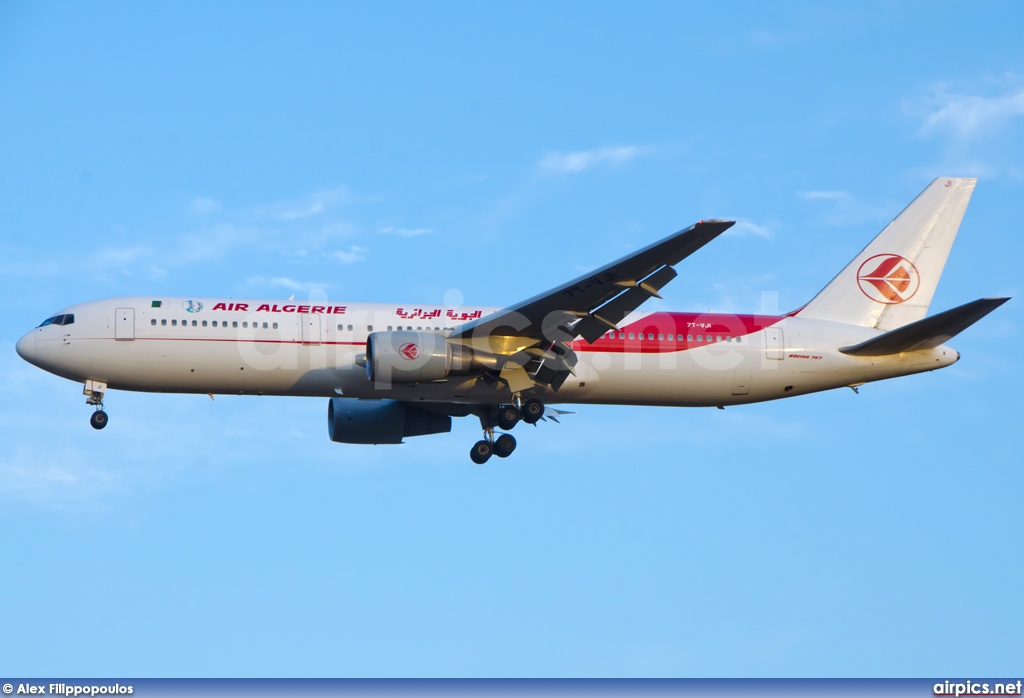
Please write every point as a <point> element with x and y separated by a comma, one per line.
<point>405,232</point>
<point>286,282</point>
<point>55,477</point>
<point>966,116</point>
<point>352,255</point>
<point>839,208</point>
<point>578,161</point>
<point>203,206</point>
<point>827,195</point>
<point>120,255</point>
<point>212,243</point>
<point>747,228</point>
<point>311,205</point>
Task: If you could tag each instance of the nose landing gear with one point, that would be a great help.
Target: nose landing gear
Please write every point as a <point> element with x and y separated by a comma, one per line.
<point>94,391</point>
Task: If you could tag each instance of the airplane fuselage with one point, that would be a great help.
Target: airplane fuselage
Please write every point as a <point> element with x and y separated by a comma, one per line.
<point>256,347</point>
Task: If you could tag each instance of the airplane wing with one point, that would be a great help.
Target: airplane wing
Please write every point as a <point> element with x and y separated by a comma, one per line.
<point>587,306</point>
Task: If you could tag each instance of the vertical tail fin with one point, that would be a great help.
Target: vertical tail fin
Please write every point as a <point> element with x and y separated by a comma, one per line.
<point>892,281</point>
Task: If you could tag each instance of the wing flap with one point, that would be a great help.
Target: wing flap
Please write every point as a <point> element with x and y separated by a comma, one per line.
<point>609,315</point>
<point>927,333</point>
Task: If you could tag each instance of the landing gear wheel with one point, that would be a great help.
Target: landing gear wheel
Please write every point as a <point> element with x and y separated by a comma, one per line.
<point>504,445</point>
<point>508,416</point>
<point>481,451</point>
<point>98,420</point>
<point>533,410</point>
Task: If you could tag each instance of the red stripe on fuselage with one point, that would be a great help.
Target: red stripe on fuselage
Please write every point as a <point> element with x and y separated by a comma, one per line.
<point>710,327</point>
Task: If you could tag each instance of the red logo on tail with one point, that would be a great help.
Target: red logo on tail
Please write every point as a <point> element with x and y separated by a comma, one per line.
<point>888,278</point>
<point>409,351</point>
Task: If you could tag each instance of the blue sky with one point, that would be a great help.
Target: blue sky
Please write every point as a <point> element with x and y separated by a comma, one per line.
<point>402,152</point>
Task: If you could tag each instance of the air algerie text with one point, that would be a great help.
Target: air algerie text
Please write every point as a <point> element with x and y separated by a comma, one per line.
<point>275,308</point>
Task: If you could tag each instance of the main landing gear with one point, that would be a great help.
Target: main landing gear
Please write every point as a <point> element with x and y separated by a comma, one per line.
<point>502,447</point>
<point>94,391</point>
<point>503,417</point>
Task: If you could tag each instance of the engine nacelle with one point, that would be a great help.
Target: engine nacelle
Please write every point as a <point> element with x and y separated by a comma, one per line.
<point>407,357</point>
<point>354,421</point>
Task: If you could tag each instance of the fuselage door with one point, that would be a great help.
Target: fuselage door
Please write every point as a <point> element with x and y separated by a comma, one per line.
<point>124,323</point>
<point>774,343</point>
<point>741,381</point>
<point>310,328</point>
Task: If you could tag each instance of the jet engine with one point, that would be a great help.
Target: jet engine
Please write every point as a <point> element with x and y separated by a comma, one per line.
<point>354,421</point>
<point>407,357</point>
<point>418,357</point>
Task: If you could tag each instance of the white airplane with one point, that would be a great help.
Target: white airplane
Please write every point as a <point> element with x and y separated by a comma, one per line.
<point>397,371</point>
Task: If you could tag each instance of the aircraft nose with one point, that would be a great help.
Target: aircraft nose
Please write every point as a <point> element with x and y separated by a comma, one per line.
<point>26,346</point>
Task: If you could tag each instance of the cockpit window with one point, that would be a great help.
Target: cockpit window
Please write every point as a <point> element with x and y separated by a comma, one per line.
<point>67,319</point>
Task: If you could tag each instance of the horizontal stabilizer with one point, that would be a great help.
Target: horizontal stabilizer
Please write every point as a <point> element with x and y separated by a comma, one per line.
<point>927,333</point>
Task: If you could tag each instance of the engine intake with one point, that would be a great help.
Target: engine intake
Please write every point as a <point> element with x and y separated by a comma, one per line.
<point>354,421</point>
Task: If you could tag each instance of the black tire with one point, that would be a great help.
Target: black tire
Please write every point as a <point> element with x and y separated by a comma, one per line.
<point>533,410</point>
<point>508,417</point>
<point>504,445</point>
<point>481,451</point>
<point>98,420</point>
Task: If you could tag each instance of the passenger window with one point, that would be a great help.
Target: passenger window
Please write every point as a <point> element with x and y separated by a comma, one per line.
<point>204,323</point>
<point>369,328</point>
<point>164,323</point>
<point>631,335</point>
<point>234,323</point>
<point>718,338</point>
<point>350,328</point>
<point>153,321</point>
<point>739,339</point>
<point>622,335</point>
<point>700,338</point>
<point>650,336</point>
<point>174,323</point>
<point>245,324</point>
<point>214,323</point>
<point>275,325</point>
<point>195,323</point>
<point>389,328</point>
<point>264,325</point>
<point>661,337</point>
